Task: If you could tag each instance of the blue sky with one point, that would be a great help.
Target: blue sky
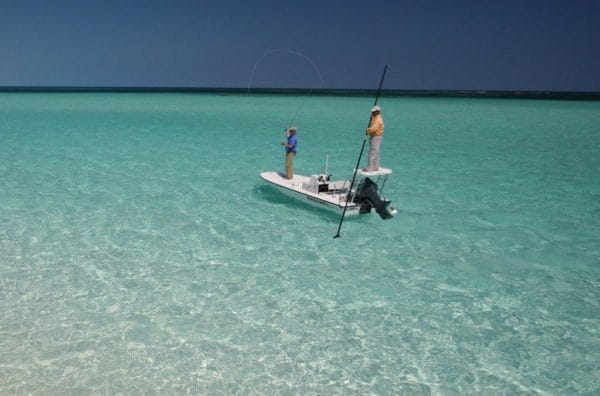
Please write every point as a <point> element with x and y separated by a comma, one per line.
<point>524,45</point>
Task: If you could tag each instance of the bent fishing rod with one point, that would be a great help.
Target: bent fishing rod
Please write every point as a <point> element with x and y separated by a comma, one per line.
<point>337,235</point>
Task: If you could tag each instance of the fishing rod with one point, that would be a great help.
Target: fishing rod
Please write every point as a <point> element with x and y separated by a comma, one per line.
<point>295,53</point>
<point>359,157</point>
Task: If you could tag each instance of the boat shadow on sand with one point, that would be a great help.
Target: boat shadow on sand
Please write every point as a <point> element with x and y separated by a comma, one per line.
<point>272,195</point>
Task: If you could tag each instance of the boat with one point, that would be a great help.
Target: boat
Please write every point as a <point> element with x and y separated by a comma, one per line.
<point>320,191</point>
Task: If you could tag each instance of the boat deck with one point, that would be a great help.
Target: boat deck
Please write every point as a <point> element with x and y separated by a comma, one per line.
<point>334,198</point>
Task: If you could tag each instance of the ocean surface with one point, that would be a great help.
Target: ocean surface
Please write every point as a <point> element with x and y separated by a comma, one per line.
<point>140,252</point>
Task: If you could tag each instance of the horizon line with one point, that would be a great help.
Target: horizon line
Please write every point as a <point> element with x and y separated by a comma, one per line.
<point>588,95</point>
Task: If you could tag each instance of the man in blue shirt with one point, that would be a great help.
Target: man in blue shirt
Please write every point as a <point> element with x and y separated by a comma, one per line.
<point>290,151</point>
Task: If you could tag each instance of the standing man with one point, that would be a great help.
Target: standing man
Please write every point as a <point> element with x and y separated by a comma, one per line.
<point>375,130</point>
<point>290,151</point>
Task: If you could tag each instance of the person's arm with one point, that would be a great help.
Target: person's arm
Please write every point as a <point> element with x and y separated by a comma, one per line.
<point>293,143</point>
<point>373,126</point>
<point>377,126</point>
<point>288,145</point>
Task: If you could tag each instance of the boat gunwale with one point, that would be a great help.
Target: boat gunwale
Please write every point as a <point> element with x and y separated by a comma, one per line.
<point>311,196</point>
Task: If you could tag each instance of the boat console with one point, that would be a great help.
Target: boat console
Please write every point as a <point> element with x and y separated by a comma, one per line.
<point>317,184</point>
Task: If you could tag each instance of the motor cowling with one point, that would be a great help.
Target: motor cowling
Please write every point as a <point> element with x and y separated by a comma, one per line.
<point>368,197</point>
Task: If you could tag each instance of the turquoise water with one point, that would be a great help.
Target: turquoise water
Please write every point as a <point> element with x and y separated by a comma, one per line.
<point>140,252</point>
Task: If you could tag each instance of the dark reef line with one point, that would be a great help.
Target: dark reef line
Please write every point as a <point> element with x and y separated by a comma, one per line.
<point>304,91</point>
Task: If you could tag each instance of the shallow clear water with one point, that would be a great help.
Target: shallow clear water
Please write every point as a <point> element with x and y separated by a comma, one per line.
<point>140,252</point>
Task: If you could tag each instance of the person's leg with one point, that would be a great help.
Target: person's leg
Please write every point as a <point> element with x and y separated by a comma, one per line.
<point>370,161</point>
<point>289,161</point>
<point>375,144</point>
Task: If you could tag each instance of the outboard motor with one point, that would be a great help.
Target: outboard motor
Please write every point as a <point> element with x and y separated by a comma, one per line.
<point>368,197</point>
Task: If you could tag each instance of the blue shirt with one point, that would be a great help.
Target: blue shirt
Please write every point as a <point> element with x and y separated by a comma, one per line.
<point>292,141</point>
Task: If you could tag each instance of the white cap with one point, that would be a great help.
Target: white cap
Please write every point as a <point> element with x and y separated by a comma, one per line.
<point>375,108</point>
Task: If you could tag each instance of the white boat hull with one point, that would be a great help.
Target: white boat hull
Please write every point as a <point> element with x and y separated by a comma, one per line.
<point>332,201</point>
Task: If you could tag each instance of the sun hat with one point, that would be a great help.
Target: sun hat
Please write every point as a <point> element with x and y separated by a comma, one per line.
<point>375,108</point>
